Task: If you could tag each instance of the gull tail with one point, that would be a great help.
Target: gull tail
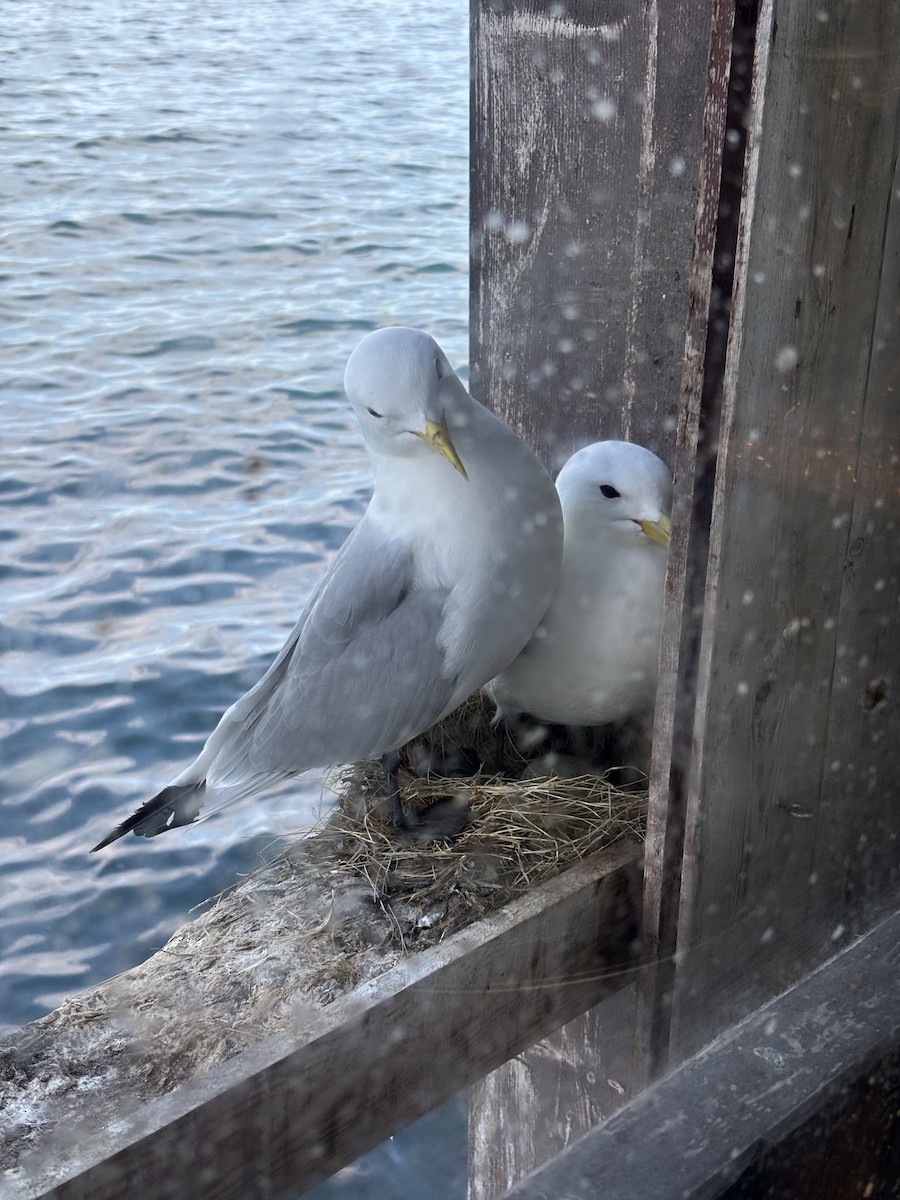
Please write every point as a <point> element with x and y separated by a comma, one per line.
<point>177,804</point>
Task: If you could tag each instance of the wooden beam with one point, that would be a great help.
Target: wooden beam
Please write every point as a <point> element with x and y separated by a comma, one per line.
<point>711,268</point>
<point>597,133</point>
<point>792,821</point>
<point>586,134</point>
<point>283,1115</point>
<point>544,1099</point>
<point>694,1133</point>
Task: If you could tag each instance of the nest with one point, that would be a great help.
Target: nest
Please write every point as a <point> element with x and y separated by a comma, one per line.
<point>329,913</point>
<point>518,829</point>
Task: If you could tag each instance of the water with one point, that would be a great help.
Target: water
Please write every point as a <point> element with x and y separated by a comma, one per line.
<point>206,206</point>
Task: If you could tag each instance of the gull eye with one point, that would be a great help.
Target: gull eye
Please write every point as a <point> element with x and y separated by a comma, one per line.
<point>607,490</point>
<point>373,413</point>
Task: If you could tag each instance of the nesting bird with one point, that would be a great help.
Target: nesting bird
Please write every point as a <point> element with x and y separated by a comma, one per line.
<point>593,658</point>
<point>435,591</point>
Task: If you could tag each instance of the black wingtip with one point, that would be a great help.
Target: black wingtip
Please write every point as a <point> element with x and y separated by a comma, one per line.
<point>118,832</point>
<point>178,804</point>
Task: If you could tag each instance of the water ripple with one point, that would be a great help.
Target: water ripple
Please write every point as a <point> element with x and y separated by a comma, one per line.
<point>207,207</point>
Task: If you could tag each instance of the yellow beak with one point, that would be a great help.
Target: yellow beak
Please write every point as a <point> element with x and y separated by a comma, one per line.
<point>438,438</point>
<point>658,531</point>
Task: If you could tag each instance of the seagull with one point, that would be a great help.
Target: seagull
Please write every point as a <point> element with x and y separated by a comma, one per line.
<point>434,592</point>
<point>593,658</point>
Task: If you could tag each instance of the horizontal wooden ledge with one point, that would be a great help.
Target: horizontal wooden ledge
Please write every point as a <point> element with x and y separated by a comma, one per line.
<point>693,1134</point>
<point>290,1111</point>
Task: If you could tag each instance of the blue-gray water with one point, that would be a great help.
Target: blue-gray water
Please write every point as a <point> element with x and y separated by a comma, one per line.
<point>206,206</point>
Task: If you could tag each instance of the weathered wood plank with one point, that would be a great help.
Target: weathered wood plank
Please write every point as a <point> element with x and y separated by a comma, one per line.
<point>695,452</point>
<point>849,1147</point>
<point>541,1101</point>
<point>792,821</point>
<point>693,1134</point>
<point>596,144</point>
<point>285,1114</point>
<point>585,142</point>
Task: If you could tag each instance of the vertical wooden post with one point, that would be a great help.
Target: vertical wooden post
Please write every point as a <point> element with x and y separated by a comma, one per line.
<point>792,825</point>
<point>586,137</point>
<point>537,1104</point>
<point>597,133</point>
<point>721,172</point>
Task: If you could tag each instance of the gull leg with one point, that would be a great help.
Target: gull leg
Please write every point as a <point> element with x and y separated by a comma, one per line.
<point>396,812</point>
<point>578,740</point>
<point>443,820</point>
<point>500,746</point>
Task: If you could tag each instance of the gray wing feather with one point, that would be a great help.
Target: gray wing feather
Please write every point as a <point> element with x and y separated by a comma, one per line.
<point>360,673</point>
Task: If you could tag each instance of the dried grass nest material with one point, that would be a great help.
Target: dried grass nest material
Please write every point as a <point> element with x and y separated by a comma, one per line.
<point>330,912</point>
<point>524,829</point>
<point>522,833</point>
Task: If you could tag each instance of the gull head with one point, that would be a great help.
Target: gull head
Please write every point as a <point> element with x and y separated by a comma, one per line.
<point>618,492</point>
<point>405,394</point>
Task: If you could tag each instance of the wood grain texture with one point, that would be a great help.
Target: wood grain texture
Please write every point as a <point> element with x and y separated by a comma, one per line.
<point>793,823</point>
<point>695,452</point>
<point>765,1084</point>
<point>597,134</point>
<point>541,1101</point>
<point>585,141</point>
<point>283,1115</point>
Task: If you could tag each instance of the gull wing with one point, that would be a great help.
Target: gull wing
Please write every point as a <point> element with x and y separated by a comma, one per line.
<point>360,674</point>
